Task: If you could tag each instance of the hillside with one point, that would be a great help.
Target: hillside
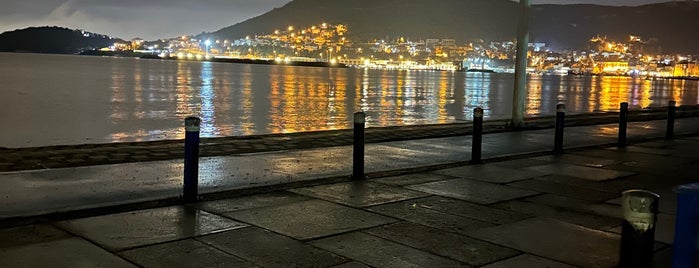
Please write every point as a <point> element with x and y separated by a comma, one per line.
<point>562,26</point>
<point>52,40</point>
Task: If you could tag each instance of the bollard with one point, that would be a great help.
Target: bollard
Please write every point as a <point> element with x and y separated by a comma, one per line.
<point>671,110</point>
<point>358,148</point>
<point>686,222</point>
<point>477,143</point>
<point>191,159</point>
<point>560,124</point>
<point>623,122</point>
<point>640,210</point>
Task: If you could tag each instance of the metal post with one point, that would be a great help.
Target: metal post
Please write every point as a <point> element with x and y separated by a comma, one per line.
<point>560,124</point>
<point>623,122</point>
<point>477,143</point>
<point>671,110</point>
<point>191,159</point>
<point>686,222</point>
<point>640,211</point>
<point>358,149</point>
<point>520,92</point>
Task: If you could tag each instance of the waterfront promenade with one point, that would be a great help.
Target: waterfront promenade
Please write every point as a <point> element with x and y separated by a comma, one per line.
<point>422,206</point>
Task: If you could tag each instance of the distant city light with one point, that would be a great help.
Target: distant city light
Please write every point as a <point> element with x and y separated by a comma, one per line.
<point>332,43</point>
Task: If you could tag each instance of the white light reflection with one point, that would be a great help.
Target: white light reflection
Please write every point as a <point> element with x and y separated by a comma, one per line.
<point>478,87</point>
<point>208,111</point>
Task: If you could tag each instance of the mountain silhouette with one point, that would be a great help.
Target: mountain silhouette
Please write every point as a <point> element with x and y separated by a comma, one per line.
<point>53,39</point>
<point>560,26</point>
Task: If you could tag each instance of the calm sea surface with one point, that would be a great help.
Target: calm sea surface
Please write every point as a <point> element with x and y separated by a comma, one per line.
<point>61,99</point>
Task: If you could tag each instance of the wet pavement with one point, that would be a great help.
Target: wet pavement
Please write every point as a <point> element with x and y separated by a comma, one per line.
<point>37,192</point>
<point>417,209</point>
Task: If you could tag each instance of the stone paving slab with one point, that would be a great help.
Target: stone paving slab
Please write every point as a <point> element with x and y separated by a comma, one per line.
<point>410,211</point>
<point>663,258</point>
<point>379,252</point>
<point>560,241</point>
<point>527,141</point>
<point>588,173</point>
<point>310,219</point>
<point>250,202</point>
<point>520,163</point>
<point>268,249</point>
<point>595,162</point>
<point>615,186</point>
<point>131,229</point>
<point>529,261</point>
<point>71,252</point>
<point>183,253</point>
<point>645,150</point>
<point>578,205</point>
<point>682,147</point>
<point>565,190</point>
<point>593,221</point>
<point>30,234</point>
<point>469,210</point>
<point>639,162</point>
<point>359,193</point>
<point>353,264</point>
<point>458,247</point>
<point>657,170</point>
<point>490,173</point>
<point>414,178</point>
<point>473,191</point>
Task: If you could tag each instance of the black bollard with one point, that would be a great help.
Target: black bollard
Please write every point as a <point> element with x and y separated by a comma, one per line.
<point>358,148</point>
<point>640,210</point>
<point>477,143</point>
<point>191,159</point>
<point>560,124</point>
<point>671,110</point>
<point>623,122</point>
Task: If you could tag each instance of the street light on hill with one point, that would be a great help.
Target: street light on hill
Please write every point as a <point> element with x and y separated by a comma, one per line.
<point>207,43</point>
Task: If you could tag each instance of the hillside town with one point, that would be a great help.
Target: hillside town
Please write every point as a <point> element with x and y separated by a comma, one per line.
<point>331,43</point>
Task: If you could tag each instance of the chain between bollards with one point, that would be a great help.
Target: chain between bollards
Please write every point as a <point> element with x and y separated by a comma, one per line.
<point>358,148</point>
<point>191,159</point>
<point>640,211</point>
<point>671,110</point>
<point>477,143</point>
<point>560,125</point>
<point>623,122</point>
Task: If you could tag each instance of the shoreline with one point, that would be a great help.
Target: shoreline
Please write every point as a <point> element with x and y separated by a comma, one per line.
<point>61,156</point>
<point>261,61</point>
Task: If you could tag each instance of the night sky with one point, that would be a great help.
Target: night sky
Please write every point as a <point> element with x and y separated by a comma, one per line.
<point>153,19</point>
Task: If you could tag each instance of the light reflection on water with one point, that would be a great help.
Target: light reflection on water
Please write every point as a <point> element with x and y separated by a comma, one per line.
<point>117,99</point>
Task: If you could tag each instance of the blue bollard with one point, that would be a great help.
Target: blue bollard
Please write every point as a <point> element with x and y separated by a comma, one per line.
<point>191,159</point>
<point>686,226</point>
<point>358,146</point>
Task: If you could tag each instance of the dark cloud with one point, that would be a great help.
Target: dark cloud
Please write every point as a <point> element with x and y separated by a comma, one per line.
<point>152,19</point>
